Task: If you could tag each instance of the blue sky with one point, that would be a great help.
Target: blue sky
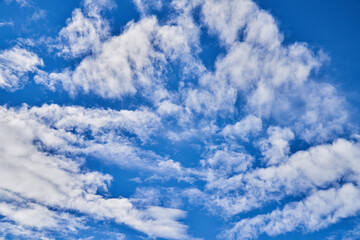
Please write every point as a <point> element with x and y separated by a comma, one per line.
<point>203,119</point>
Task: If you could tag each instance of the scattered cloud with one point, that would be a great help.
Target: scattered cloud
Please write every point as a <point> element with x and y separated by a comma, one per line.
<point>22,3</point>
<point>83,34</point>
<point>317,211</point>
<point>6,24</point>
<point>242,129</point>
<point>15,64</point>
<point>239,122</point>
<point>56,185</point>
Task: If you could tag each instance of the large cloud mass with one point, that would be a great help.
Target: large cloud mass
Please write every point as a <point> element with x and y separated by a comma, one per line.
<point>270,140</point>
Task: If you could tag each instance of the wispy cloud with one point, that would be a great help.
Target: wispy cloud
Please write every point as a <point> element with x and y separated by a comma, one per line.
<point>54,181</point>
<point>15,64</point>
<point>264,131</point>
<point>2,24</point>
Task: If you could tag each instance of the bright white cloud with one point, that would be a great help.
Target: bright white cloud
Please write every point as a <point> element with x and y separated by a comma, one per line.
<point>228,18</point>
<point>123,65</point>
<point>302,172</point>
<point>85,30</point>
<point>325,116</point>
<point>243,115</point>
<point>317,211</point>
<point>242,129</point>
<point>144,6</point>
<point>276,148</point>
<point>53,181</point>
<point>8,229</point>
<point>82,34</point>
<point>15,64</point>
<point>94,8</point>
<point>256,67</point>
<point>102,134</point>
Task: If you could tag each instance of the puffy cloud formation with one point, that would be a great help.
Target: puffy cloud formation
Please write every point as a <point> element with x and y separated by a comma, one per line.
<point>85,31</point>
<point>268,148</point>
<point>122,65</point>
<point>15,64</point>
<point>82,34</point>
<point>41,185</point>
<point>317,211</point>
<point>243,128</point>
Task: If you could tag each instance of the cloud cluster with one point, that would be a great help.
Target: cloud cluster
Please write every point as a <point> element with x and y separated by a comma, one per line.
<point>132,62</point>
<point>265,131</point>
<point>41,186</point>
<point>15,64</point>
<point>317,211</point>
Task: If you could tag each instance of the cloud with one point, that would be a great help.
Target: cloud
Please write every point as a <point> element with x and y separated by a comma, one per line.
<point>38,15</point>
<point>15,64</point>
<point>121,65</point>
<point>242,129</point>
<point>303,172</point>
<point>276,148</point>
<point>256,67</point>
<point>110,135</point>
<point>145,6</point>
<point>234,20</point>
<point>227,17</point>
<point>8,229</point>
<point>325,116</point>
<point>22,3</point>
<point>352,234</point>
<point>141,122</point>
<point>40,185</point>
<point>242,118</point>
<point>317,211</point>
<point>133,62</point>
<point>94,8</point>
<point>83,33</point>
<point>6,24</point>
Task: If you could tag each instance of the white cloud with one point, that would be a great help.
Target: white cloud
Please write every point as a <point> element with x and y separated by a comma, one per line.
<point>38,15</point>
<point>256,67</point>
<point>123,64</point>
<point>15,64</point>
<point>352,234</point>
<point>245,127</point>
<point>31,215</point>
<point>110,135</point>
<point>276,148</point>
<point>317,211</point>
<point>22,3</point>
<point>144,6</point>
<point>6,24</point>
<point>140,122</point>
<point>82,34</point>
<point>94,8</point>
<point>259,78</point>
<point>303,172</point>
<point>40,187</point>
<point>8,229</point>
<point>133,62</point>
<point>325,116</point>
<point>222,163</point>
<point>85,30</point>
<point>227,18</point>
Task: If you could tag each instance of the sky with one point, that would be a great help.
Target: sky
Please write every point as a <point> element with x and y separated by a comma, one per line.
<point>179,119</point>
